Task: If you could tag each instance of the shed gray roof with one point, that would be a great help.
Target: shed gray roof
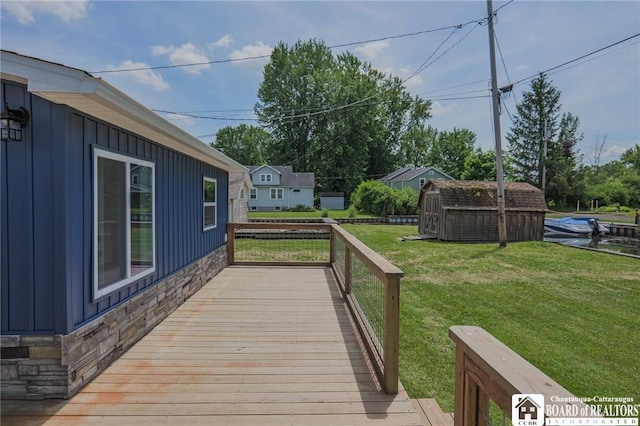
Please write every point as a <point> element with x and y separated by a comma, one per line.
<point>288,177</point>
<point>483,194</point>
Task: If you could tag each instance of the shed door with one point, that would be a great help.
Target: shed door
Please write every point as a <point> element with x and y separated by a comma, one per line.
<point>431,215</point>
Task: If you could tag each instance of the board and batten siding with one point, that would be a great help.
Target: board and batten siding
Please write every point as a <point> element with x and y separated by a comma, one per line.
<point>47,217</point>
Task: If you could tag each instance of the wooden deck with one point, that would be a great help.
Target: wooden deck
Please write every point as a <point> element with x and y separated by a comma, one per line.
<point>255,346</point>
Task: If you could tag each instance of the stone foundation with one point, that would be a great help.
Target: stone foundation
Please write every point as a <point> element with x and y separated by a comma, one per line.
<point>40,367</point>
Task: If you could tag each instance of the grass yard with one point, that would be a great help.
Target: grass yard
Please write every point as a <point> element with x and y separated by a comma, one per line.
<point>575,314</point>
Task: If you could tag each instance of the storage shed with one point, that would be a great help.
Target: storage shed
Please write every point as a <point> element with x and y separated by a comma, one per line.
<point>332,200</point>
<point>458,210</point>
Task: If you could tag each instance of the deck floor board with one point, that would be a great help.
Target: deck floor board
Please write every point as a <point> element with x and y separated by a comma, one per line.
<point>256,345</point>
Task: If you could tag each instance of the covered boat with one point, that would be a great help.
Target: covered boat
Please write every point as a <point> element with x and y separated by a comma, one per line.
<point>575,226</point>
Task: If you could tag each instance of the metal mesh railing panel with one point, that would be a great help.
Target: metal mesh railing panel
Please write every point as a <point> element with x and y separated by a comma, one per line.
<point>286,246</point>
<point>339,253</point>
<point>368,292</point>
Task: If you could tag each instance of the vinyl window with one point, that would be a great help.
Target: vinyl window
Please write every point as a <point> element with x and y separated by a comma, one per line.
<point>277,193</point>
<point>123,221</point>
<point>209,209</point>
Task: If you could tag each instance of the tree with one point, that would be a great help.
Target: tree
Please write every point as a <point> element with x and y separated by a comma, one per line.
<point>451,150</point>
<point>536,115</point>
<point>291,99</point>
<point>564,180</point>
<point>334,115</point>
<point>537,125</point>
<point>247,145</point>
<point>598,150</point>
<point>416,144</point>
<point>480,165</point>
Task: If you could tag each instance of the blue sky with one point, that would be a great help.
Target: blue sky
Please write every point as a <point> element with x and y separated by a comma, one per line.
<point>603,90</point>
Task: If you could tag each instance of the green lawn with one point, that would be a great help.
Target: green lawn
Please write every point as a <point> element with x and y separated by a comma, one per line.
<point>575,314</point>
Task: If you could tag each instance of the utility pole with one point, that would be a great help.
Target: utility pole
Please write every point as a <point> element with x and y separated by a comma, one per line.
<point>543,179</point>
<point>502,221</point>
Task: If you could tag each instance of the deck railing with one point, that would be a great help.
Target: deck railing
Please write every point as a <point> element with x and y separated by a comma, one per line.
<point>369,283</point>
<point>488,370</point>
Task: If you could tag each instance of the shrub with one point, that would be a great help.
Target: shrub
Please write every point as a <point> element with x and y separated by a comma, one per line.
<point>301,208</point>
<point>325,213</point>
<point>378,199</point>
<point>351,211</point>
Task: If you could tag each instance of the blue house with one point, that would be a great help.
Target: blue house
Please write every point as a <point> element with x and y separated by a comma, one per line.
<point>111,217</point>
<point>277,188</point>
<point>413,178</point>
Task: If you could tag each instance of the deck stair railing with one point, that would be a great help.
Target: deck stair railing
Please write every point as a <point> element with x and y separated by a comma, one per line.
<point>488,370</point>
<point>369,283</point>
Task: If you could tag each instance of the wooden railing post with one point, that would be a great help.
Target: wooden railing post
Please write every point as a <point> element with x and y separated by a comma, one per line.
<point>487,369</point>
<point>231,239</point>
<point>471,402</point>
<point>332,246</point>
<point>459,397</point>
<point>391,333</point>
<point>347,269</point>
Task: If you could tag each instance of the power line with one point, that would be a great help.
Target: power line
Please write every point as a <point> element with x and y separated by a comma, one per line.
<point>576,59</point>
<point>249,58</point>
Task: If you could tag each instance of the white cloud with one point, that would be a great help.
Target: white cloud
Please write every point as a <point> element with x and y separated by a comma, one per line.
<point>182,119</point>
<point>184,55</point>
<point>252,50</point>
<point>437,109</point>
<point>223,42</point>
<point>25,10</point>
<point>372,50</point>
<point>144,76</point>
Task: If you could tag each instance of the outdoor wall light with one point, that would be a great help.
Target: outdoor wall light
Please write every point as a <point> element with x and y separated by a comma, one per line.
<point>12,121</point>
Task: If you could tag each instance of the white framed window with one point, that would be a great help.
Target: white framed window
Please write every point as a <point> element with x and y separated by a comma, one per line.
<point>277,208</point>
<point>265,177</point>
<point>431,172</point>
<point>123,221</point>
<point>423,181</point>
<point>253,194</point>
<point>277,193</point>
<point>296,190</point>
<point>209,196</point>
<point>254,208</point>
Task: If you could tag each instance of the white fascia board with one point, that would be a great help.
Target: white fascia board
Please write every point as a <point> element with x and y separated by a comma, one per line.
<point>93,96</point>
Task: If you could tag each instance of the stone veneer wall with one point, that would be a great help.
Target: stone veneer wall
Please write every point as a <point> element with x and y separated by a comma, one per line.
<point>39,367</point>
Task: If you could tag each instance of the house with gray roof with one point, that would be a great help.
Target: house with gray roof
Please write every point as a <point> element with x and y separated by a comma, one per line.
<point>414,178</point>
<point>277,188</point>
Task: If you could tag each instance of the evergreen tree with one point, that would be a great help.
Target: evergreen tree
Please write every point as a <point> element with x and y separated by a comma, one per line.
<point>536,114</point>
<point>538,123</point>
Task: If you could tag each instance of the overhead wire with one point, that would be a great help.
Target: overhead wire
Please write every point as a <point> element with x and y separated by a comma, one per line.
<point>255,57</point>
<point>576,59</point>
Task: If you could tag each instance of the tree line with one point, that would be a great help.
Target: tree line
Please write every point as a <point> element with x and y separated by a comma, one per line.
<point>338,117</point>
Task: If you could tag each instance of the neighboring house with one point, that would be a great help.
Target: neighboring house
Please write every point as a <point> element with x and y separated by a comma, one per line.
<point>240,187</point>
<point>462,210</point>
<point>279,188</point>
<point>414,178</point>
<point>111,217</point>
